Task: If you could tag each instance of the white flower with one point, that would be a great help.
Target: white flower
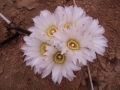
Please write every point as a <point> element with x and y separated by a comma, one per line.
<point>34,49</point>
<point>74,41</point>
<point>46,23</point>
<point>59,64</point>
<point>99,42</point>
<point>63,41</point>
<point>70,15</point>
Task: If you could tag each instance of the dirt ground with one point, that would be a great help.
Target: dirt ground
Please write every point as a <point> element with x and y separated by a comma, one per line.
<point>105,70</point>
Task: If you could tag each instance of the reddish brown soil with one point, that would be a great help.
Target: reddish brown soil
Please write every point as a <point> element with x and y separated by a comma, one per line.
<point>105,70</point>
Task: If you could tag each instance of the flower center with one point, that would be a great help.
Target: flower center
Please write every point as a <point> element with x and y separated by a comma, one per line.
<point>67,25</point>
<point>73,44</point>
<point>43,48</point>
<point>59,58</point>
<point>51,30</point>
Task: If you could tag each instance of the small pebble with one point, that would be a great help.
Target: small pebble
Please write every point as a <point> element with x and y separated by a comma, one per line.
<point>117,68</point>
<point>83,83</point>
<point>1,69</point>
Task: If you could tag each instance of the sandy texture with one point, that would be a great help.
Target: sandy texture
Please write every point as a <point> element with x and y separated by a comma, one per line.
<point>105,70</point>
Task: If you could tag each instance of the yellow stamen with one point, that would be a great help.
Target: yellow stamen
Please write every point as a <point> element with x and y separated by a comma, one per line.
<point>73,44</point>
<point>59,58</point>
<point>43,48</point>
<point>51,30</point>
<point>67,25</point>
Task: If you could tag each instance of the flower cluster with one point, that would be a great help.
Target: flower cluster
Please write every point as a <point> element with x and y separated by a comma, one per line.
<point>62,42</point>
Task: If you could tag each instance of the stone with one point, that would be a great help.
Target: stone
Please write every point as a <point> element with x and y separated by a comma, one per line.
<point>1,69</point>
<point>29,4</point>
<point>117,68</point>
<point>118,56</point>
<point>102,86</point>
<point>35,78</point>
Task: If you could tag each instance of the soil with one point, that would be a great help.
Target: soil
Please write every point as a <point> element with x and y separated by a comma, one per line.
<point>105,70</point>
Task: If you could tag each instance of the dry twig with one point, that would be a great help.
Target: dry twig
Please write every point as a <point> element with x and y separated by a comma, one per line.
<point>91,83</point>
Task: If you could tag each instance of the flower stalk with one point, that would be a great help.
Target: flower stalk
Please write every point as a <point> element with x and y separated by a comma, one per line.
<point>74,3</point>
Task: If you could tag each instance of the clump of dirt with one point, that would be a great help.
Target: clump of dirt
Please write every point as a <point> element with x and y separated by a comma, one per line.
<point>105,70</point>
